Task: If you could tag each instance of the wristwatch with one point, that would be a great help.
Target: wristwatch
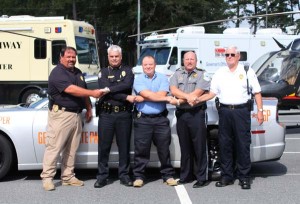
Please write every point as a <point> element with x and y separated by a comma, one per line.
<point>260,109</point>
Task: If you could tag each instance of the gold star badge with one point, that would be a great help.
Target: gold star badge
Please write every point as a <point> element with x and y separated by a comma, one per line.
<point>123,73</point>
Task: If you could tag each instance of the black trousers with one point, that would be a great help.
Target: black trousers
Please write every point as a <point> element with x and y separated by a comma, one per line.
<point>191,130</point>
<point>234,141</point>
<point>111,124</point>
<point>147,130</point>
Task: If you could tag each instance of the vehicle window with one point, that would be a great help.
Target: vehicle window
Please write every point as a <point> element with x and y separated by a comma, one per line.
<point>92,85</point>
<point>283,66</point>
<point>243,56</point>
<point>40,48</point>
<point>290,68</point>
<point>174,59</point>
<point>161,55</point>
<point>57,45</point>
<point>86,49</point>
<point>259,62</point>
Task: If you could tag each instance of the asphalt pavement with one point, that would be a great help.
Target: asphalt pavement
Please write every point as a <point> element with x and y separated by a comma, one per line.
<point>273,182</point>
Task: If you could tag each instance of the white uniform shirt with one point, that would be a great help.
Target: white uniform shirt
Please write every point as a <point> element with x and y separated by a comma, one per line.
<point>231,87</point>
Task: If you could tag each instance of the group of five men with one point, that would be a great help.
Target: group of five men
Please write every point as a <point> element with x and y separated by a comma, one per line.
<point>190,88</point>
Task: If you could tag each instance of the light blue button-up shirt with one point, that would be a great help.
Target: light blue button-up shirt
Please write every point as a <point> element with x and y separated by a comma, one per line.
<point>159,82</point>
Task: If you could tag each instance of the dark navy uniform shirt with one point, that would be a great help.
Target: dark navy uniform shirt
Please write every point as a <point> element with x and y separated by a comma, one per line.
<point>59,79</point>
<point>119,81</point>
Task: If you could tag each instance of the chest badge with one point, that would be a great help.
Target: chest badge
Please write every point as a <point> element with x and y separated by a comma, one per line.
<point>123,73</point>
<point>241,76</point>
<point>81,78</point>
<point>195,75</point>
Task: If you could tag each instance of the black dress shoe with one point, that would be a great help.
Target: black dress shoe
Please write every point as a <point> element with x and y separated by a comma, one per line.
<point>100,184</point>
<point>200,184</point>
<point>223,183</point>
<point>245,184</point>
<point>181,182</point>
<point>126,182</point>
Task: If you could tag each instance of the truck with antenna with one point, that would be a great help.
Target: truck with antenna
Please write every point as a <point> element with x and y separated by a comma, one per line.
<point>168,49</point>
<point>29,50</point>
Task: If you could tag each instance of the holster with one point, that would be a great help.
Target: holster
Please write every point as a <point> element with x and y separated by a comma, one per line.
<point>250,104</point>
<point>217,102</point>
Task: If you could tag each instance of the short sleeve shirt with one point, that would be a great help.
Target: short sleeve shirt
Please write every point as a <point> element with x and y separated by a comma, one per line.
<point>59,79</point>
<point>231,87</point>
<point>189,81</point>
<point>158,82</point>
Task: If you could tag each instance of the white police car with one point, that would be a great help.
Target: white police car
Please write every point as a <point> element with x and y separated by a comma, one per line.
<point>23,133</point>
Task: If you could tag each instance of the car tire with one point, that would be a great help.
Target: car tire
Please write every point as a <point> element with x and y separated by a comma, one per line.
<point>6,156</point>
<point>30,96</point>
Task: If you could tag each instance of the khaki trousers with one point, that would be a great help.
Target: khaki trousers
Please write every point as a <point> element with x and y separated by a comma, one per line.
<point>63,136</point>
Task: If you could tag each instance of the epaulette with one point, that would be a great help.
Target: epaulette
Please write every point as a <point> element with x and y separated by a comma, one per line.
<point>180,68</point>
<point>199,69</point>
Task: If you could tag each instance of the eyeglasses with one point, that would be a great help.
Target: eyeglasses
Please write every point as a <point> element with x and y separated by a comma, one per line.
<point>231,54</point>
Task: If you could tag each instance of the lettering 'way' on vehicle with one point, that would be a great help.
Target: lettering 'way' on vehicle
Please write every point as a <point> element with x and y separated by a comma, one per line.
<point>30,48</point>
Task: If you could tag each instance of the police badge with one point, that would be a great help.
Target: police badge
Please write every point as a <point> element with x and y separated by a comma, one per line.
<point>139,114</point>
<point>55,108</point>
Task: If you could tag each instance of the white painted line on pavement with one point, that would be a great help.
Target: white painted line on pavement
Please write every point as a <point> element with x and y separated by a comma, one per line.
<point>183,195</point>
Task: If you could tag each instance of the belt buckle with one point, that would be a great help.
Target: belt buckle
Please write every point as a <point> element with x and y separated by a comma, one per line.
<point>139,114</point>
<point>55,108</point>
<point>116,109</point>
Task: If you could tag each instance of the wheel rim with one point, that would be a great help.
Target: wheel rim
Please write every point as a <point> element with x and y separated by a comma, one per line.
<point>32,98</point>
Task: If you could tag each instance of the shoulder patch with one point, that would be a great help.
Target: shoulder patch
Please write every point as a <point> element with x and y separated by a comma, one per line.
<point>206,76</point>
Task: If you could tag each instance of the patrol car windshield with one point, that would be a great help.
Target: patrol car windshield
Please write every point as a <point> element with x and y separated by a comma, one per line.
<point>86,49</point>
<point>161,55</point>
<point>283,66</point>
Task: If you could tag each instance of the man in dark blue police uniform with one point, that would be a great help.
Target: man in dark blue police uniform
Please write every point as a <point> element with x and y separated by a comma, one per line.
<point>115,116</point>
<point>67,98</point>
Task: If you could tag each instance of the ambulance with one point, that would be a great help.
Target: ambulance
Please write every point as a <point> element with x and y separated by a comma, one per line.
<point>168,49</point>
<point>29,50</point>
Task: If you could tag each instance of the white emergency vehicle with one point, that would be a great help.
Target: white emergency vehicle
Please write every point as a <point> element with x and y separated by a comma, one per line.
<point>168,49</point>
<point>29,50</point>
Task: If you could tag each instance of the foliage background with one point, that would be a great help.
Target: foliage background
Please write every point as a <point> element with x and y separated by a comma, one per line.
<point>115,20</point>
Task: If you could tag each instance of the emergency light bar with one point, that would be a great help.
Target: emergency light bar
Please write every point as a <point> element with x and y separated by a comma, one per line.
<point>58,29</point>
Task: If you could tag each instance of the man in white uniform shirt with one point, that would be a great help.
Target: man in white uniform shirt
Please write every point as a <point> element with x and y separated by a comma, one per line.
<point>229,84</point>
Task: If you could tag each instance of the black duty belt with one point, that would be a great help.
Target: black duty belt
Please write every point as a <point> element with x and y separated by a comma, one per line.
<point>143,115</point>
<point>106,107</point>
<point>194,109</point>
<point>234,106</point>
<point>55,108</point>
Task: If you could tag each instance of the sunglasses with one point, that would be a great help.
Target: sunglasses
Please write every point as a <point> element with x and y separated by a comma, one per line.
<point>231,54</point>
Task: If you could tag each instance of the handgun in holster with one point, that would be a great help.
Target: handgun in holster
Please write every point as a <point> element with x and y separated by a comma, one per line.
<point>51,102</point>
<point>217,102</point>
<point>98,105</point>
